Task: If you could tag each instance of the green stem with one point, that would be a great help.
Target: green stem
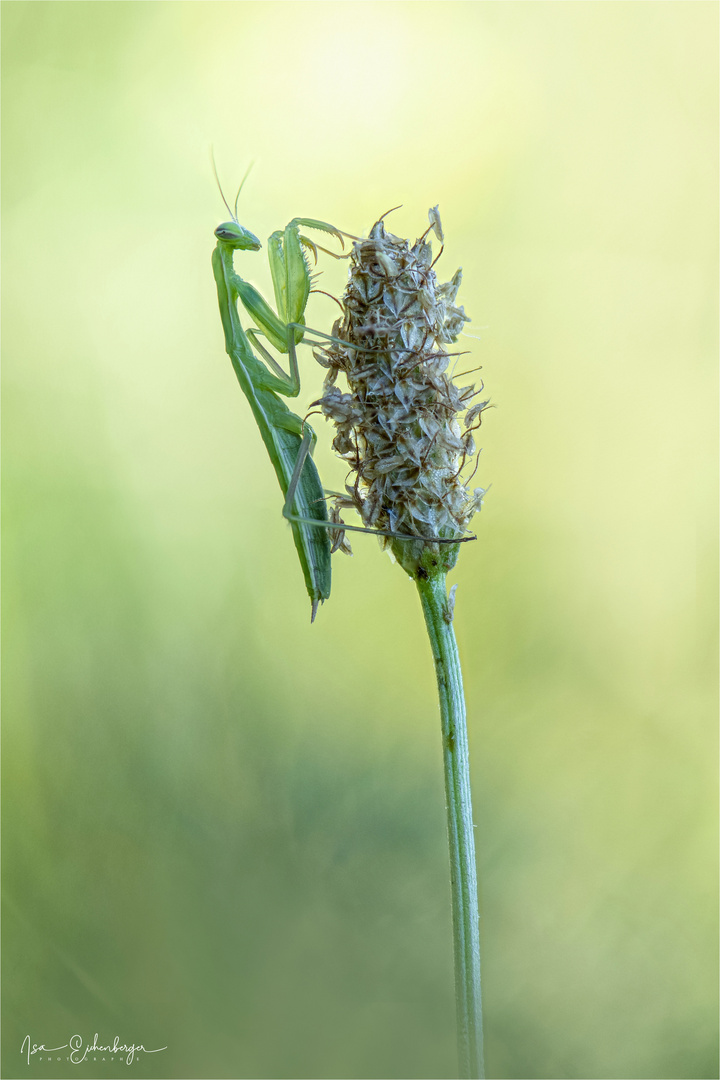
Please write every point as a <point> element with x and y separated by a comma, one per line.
<point>463,875</point>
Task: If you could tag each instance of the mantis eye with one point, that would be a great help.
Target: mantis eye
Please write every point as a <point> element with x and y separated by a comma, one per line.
<point>226,232</point>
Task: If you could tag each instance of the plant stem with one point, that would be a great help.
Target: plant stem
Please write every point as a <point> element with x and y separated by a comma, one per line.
<point>461,840</point>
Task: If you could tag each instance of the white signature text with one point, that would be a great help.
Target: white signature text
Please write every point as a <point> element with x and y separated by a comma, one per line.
<point>80,1050</point>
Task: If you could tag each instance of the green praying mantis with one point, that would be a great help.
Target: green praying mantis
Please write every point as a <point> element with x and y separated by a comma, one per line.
<point>288,439</point>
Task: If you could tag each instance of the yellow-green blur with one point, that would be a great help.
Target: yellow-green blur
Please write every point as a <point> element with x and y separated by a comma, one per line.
<point>224,828</point>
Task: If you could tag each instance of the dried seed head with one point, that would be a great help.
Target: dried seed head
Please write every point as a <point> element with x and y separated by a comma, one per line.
<point>398,427</point>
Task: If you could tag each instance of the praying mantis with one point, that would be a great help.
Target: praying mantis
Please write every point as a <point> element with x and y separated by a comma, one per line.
<point>288,439</point>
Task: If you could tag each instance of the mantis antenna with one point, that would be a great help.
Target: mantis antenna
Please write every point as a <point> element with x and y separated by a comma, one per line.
<point>232,213</point>
<point>247,173</point>
<point>217,181</point>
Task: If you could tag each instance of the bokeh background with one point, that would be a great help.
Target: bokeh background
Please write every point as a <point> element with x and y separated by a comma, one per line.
<point>224,828</point>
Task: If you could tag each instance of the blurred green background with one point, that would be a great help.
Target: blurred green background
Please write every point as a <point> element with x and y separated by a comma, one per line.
<point>224,829</point>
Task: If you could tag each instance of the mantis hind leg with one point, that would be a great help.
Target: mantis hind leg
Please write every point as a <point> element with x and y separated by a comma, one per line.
<point>288,509</point>
<point>291,382</point>
<point>300,482</point>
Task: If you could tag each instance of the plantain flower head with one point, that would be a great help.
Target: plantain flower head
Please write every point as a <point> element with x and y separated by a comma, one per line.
<point>404,428</point>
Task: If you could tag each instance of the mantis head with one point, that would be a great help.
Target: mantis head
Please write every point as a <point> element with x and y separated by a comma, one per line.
<point>236,237</point>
